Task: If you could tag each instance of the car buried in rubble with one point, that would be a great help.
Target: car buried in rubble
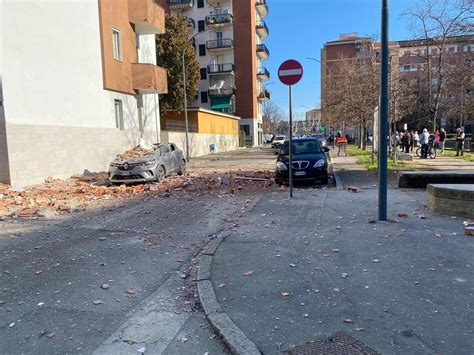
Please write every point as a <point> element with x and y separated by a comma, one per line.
<point>152,166</point>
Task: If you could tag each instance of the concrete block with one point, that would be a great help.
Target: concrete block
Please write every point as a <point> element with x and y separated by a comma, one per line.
<point>451,199</point>
<point>420,179</point>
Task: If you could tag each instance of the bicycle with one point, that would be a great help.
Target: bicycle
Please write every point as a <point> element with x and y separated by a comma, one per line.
<point>431,151</point>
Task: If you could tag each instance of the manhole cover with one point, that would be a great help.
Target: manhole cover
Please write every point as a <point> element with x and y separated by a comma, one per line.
<point>339,344</point>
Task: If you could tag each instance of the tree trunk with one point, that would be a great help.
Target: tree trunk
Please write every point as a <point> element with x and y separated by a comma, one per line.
<point>364,135</point>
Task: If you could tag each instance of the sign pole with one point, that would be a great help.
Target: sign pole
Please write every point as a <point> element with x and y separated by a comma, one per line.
<point>383,114</point>
<point>290,150</point>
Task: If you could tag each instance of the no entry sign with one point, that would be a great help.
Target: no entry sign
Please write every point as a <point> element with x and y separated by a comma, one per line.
<point>290,72</point>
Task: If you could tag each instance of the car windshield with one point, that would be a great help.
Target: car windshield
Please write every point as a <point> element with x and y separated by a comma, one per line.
<point>302,147</point>
<point>280,138</point>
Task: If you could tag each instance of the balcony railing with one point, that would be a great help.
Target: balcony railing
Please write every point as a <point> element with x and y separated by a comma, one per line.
<point>180,4</point>
<point>264,95</point>
<point>262,29</point>
<point>262,8</point>
<point>223,43</point>
<point>263,73</point>
<point>262,51</point>
<point>228,91</point>
<point>149,78</point>
<point>220,68</point>
<point>219,19</point>
<point>217,2</point>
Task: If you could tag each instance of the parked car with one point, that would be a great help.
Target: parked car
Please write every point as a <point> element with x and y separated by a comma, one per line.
<point>278,141</point>
<point>322,139</point>
<point>164,160</point>
<point>309,161</point>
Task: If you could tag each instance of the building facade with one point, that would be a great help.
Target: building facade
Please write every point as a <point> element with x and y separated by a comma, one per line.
<point>79,85</point>
<point>228,36</point>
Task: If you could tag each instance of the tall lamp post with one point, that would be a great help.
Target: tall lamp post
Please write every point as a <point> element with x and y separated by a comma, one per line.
<point>186,124</point>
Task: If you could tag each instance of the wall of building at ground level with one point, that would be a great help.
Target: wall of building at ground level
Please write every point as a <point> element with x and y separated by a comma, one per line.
<point>255,131</point>
<point>199,143</point>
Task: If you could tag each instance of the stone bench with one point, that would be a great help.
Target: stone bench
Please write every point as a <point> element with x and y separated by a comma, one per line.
<point>451,199</point>
<point>420,179</point>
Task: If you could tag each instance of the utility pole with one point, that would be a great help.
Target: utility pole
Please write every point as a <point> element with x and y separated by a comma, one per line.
<point>382,198</point>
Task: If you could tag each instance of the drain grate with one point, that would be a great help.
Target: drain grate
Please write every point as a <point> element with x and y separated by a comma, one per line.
<point>337,344</point>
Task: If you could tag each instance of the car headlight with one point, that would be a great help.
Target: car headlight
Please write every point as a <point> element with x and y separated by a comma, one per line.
<point>150,163</point>
<point>320,163</point>
<point>281,166</point>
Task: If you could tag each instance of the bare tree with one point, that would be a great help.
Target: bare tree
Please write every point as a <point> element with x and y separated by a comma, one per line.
<point>436,23</point>
<point>273,118</point>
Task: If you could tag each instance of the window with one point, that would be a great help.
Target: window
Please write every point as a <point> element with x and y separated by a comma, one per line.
<point>202,50</point>
<point>137,41</point>
<point>203,73</point>
<point>200,3</point>
<point>246,129</point>
<point>467,48</point>
<point>119,114</point>
<point>204,97</point>
<point>164,149</point>
<point>117,44</point>
<point>406,53</point>
<point>201,25</point>
<point>451,49</point>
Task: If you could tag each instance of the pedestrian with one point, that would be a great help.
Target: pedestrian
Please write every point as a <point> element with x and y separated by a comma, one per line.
<point>424,140</point>
<point>406,142</point>
<point>459,141</point>
<point>412,142</point>
<point>436,139</point>
<point>442,138</point>
<point>416,139</point>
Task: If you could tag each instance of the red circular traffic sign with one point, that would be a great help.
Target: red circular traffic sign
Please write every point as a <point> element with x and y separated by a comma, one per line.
<point>290,72</point>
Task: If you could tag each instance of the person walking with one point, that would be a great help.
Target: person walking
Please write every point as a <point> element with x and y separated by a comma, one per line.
<point>412,140</point>
<point>442,138</point>
<point>436,139</point>
<point>459,141</point>
<point>424,140</point>
<point>416,139</point>
<point>406,142</point>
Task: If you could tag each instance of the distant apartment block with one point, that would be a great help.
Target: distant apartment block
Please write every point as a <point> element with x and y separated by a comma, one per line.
<point>79,85</point>
<point>231,52</point>
<point>408,59</point>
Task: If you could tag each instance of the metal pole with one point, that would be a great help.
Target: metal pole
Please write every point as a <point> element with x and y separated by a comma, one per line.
<point>382,203</point>
<point>186,127</point>
<point>290,150</point>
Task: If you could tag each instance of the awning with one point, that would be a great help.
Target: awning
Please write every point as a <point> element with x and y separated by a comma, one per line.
<point>220,103</point>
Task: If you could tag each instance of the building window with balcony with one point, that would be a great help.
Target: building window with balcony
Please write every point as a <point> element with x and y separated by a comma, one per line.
<point>202,50</point>
<point>203,72</point>
<point>119,114</point>
<point>204,97</point>
<point>200,3</point>
<point>201,25</point>
<point>117,44</point>
<point>406,53</point>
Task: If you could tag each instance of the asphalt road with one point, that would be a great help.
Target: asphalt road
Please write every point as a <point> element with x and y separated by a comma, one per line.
<point>82,283</point>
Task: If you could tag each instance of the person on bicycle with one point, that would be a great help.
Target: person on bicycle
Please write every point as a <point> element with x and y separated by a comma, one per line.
<point>424,140</point>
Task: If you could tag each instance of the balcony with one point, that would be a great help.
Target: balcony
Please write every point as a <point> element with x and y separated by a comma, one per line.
<point>262,51</point>
<point>222,92</point>
<point>262,29</point>
<point>263,74</point>
<point>219,20</point>
<point>147,16</point>
<point>149,79</point>
<point>262,8</point>
<point>180,4</point>
<point>191,24</point>
<point>220,44</point>
<point>227,68</point>
<point>264,95</point>
<point>217,2</point>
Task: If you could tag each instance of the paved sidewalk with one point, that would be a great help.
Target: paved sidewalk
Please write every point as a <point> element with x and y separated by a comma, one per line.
<point>444,163</point>
<point>316,265</point>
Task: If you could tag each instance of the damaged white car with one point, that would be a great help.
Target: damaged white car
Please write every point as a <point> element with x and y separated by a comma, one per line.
<point>150,165</point>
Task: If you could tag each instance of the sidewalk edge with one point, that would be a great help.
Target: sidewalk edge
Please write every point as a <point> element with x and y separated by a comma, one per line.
<point>232,336</point>
<point>337,178</point>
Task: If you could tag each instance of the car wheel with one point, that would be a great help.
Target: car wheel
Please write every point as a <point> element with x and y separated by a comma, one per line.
<point>160,173</point>
<point>182,168</point>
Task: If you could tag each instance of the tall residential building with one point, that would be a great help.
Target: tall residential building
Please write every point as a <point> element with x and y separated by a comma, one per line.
<point>80,84</point>
<point>228,36</point>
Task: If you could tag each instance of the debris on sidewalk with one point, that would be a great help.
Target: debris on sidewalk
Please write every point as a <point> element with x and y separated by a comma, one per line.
<point>403,215</point>
<point>353,189</point>
<point>248,273</point>
<point>469,231</point>
<point>92,190</point>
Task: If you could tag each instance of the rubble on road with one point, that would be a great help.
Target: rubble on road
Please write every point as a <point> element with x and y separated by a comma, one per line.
<point>92,190</point>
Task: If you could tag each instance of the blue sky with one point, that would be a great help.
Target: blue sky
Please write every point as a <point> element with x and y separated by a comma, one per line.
<point>299,29</point>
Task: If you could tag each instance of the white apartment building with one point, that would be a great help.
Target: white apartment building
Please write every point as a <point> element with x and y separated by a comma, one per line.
<point>228,36</point>
<point>80,84</point>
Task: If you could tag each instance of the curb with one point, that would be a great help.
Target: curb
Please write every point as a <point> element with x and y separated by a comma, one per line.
<point>337,179</point>
<point>232,336</point>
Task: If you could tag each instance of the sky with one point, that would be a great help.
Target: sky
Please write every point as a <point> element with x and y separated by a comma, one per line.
<point>299,29</point>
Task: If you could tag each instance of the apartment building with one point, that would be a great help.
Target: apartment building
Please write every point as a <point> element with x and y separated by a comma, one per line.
<point>228,36</point>
<point>79,84</point>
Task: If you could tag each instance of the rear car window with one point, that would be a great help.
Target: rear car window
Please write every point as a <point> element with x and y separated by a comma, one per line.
<point>302,147</point>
